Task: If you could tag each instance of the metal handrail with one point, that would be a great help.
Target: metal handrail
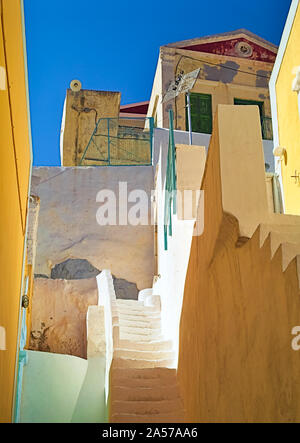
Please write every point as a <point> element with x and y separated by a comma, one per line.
<point>116,150</point>
<point>170,184</point>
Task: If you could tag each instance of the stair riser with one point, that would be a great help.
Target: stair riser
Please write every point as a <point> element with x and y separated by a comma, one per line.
<point>146,419</point>
<point>138,310</point>
<point>140,331</point>
<point>144,382</point>
<point>154,346</point>
<point>122,302</point>
<point>156,324</point>
<point>128,363</point>
<point>139,338</point>
<point>146,408</point>
<point>144,394</point>
<point>140,374</point>
<point>144,355</point>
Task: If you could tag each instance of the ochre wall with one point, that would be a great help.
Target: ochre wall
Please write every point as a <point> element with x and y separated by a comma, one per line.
<point>289,118</point>
<point>241,78</point>
<point>236,363</point>
<point>81,113</point>
<point>14,177</point>
<point>243,84</point>
<point>58,319</point>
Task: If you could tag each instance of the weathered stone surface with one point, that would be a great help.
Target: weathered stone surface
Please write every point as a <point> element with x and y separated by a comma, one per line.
<point>81,112</point>
<point>74,269</point>
<point>59,309</point>
<point>34,207</point>
<point>68,226</point>
<point>125,289</point>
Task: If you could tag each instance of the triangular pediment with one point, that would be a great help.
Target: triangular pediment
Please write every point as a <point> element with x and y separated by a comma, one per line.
<point>240,43</point>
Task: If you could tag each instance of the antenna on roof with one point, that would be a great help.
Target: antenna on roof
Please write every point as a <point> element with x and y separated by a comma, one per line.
<point>75,85</point>
<point>183,84</point>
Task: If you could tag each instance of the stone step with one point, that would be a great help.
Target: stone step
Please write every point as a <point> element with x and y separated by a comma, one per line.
<point>144,394</point>
<point>143,355</point>
<point>138,308</point>
<point>122,302</point>
<point>145,323</point>
<point>146,407</point>
<point>155,418</point>
<point>136,330</point>
<point>165,345</point>
<point>132,363</point>
<point>143,382</point>
<point>140,316</point>
<point>140,338</point>
<point>144,373</point>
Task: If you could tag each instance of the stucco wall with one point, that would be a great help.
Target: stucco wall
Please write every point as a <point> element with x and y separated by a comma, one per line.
<point>68,226</point>
<point>81,112</point>
<point>68,229</point>
<point>236,362</point>
<point>224,84</point>
<point>14,179</point>
<point>58,315</point>
<point>289,119</point>
<point>62,389</point>
<point>240,78</point>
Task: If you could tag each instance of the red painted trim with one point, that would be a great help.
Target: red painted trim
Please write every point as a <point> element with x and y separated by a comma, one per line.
<point>135,108</point>
<point>227,48</point>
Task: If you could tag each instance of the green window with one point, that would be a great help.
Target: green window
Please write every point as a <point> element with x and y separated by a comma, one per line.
<point>201,113</point>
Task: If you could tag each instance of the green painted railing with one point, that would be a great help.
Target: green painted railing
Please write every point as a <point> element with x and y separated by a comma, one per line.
<point>122,141</point>
<point>170,187</point>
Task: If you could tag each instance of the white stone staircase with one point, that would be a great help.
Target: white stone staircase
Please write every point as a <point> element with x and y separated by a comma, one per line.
<point>143,386</point>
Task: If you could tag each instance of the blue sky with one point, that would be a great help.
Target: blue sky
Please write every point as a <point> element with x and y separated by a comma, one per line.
<point>114,45</point>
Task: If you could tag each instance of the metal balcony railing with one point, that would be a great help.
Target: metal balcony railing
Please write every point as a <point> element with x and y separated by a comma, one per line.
<point>120,142</point>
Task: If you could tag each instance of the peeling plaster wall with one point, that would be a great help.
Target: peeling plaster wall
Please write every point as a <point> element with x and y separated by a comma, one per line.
<point>224,77</point>
<point>72,245</point>
<point>81,112</point>
<point>59,309</point>
<point>68,227</point>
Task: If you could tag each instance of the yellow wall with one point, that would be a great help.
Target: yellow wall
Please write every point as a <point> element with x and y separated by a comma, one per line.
<point>14,178</point>
<point>289,118</point>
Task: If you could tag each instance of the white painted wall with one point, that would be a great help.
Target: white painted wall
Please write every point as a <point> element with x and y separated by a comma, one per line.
<point>61,388</point>
<point>172,264</point>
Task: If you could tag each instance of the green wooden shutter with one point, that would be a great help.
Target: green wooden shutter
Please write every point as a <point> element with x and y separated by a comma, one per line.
<point>201,113</point>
